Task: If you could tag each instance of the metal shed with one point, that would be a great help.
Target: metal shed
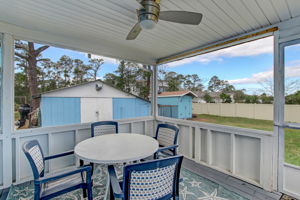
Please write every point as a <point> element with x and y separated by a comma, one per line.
<point>90,102</point>
<point>176,104</point>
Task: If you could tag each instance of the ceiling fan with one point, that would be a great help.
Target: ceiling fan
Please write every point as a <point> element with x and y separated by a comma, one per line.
<point>149,14</point>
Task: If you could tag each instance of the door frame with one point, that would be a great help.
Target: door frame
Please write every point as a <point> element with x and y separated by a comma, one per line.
<point>279,112</point>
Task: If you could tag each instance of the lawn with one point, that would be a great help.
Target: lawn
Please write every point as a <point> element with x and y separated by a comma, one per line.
<point>292,137</point>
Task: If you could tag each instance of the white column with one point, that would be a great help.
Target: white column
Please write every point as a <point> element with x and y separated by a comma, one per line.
<point>278,156</point>
<point>154,98</point>
<point>7,107</point>
<point>154,92</point>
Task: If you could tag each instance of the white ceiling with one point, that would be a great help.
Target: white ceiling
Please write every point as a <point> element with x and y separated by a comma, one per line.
<point>106,23</point>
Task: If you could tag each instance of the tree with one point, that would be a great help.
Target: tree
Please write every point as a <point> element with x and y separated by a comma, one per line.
<point>265,99</point>
<point>80,71</point>
<point>193,83</point>
<point>27,57</point>
<point>207,98</point>
<point>174,81</point>
<point>239,96</point>
<point>290,86</point>
<point>293,98</point>
<point>94,67</point>
<point>251,99</point>
<point>217,85</point>
<point>65,69</point>
<point>225,98</point>
<point>111,79</point>
<point>143,83</point>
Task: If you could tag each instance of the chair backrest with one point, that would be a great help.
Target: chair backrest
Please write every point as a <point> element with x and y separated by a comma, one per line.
<point>35,156</point>
<point>155,179</point>
<point>104,127</point>
<point>166,134</point>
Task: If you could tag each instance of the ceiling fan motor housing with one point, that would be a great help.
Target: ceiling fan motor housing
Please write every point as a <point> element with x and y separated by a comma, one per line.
<point>150,11</point>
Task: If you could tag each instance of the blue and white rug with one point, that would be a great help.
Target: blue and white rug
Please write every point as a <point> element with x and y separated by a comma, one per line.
<point>193,187</point>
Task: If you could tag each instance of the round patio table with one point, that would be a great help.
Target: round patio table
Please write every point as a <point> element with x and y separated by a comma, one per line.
<point>115,149</point>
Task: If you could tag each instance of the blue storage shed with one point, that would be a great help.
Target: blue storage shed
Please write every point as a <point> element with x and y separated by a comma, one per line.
<point>90,102</point>
<point>176,104</point>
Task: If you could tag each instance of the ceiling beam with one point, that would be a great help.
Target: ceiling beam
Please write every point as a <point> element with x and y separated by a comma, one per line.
<point>219,45</point>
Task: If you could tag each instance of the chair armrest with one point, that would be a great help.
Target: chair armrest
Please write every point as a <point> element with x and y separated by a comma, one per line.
<point>54,177</point>
<point>59,155</point>
<point>167,148</point>
<point>118,193</point>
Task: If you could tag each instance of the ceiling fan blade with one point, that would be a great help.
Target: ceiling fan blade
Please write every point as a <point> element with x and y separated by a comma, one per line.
<point>135,31</point>
<point>182,17</point>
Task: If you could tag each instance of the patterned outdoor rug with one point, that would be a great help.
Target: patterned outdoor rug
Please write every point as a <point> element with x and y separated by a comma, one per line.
<point>193,187</point>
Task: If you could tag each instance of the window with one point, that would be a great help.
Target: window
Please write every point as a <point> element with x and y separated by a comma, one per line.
<point>231,86</point>
<point>57,87</point>
<point>292,103</point>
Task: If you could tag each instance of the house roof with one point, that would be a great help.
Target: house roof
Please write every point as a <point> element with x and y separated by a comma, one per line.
<point>177,94</point>
<point>90,82</point>
<point>100,27</point>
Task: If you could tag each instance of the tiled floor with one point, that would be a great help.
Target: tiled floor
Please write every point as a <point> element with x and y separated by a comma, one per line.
<point>193,187</point>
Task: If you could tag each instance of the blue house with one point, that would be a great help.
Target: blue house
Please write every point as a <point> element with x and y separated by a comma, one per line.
<point>90,102</point>
<point>176,104</point>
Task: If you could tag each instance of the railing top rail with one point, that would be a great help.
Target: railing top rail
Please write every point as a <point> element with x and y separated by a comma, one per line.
<point>63,128</point>
<point>212,126</point>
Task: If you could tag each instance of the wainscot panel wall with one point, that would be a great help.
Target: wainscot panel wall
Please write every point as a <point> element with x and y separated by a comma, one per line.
<point>239,152</point>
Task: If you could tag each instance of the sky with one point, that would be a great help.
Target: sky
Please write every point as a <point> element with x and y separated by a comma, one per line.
<point>247,66</point>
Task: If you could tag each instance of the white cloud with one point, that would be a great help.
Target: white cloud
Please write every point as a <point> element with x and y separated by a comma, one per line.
<point>257,47</point>
<point>290,72</point>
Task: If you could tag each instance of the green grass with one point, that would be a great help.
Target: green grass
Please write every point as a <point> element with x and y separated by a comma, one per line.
<point>292,137</point>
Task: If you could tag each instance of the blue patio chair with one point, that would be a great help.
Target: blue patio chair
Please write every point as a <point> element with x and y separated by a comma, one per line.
<point>166,135</point>
<point>47,187</point>
<point>104,127</point>
<point>155,179</point>
<point>101,128</point>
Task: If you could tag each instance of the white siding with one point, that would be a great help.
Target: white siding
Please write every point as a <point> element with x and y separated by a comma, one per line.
<point>96,109</point>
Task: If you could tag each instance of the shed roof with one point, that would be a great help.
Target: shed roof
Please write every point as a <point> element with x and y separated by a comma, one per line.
<point>177,94</point>
<point>100,27</point>
<point>91,82</point>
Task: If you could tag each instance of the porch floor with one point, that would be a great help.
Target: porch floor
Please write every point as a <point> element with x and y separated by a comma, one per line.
<point>238,186</point>
<point>199,182</point>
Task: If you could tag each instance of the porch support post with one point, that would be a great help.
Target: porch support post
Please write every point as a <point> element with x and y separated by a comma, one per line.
<point>154,98</point>
<point>7,107</point>
<point>154,93</point>
<point>279,101</point>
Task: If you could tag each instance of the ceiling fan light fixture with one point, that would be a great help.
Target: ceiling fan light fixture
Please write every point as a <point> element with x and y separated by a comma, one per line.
<point>147,24</point>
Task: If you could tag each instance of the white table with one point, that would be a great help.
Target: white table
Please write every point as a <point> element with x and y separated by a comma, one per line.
<point>116,148</point>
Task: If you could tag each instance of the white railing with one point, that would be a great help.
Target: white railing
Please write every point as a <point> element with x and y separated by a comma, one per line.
<point>63,138</point>
<point>243,153</point>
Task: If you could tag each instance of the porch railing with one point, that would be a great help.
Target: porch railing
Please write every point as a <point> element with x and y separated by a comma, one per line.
<point>243,153</point>
<point>63,138</point>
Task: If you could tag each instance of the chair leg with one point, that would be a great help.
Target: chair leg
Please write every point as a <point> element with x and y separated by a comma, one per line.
<point>111,193</point>
<point>81,163</point>
<point>93,167</point>
<point>37,190</point>
<point>90,192</point>
<point>84,192</point>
